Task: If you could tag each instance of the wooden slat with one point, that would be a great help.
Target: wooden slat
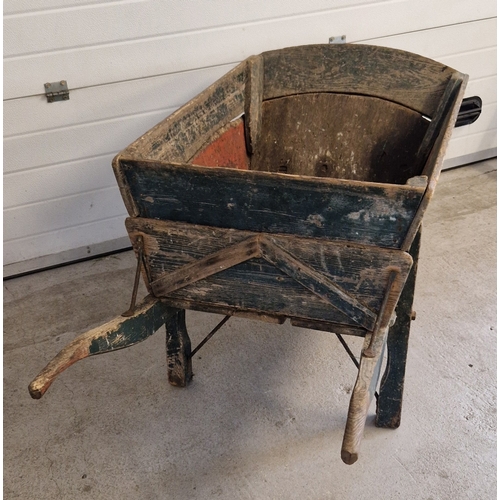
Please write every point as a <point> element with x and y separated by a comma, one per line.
<point>253,101</point>
<point>258,286</point>
<point>408,79</point>
<point>436,156</point>
<point>439,120</point>
<point>376,214</point>
<point>183,133</point>
<point>340,136</point>
<point>329,327</point>
<point>209,265</point>
<point>318,284</point>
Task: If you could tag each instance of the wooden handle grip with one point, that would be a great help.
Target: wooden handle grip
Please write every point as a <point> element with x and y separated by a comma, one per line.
<point>118,333</point>
<point>72,353</point>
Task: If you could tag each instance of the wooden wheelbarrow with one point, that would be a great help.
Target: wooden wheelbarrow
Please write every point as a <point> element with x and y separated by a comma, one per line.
<point>294,187</point>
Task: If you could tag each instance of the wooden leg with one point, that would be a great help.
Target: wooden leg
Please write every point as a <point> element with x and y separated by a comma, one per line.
<point>118,333</point>
<point>390,398</point>
<point>362,395</point>
<point>178,350</point>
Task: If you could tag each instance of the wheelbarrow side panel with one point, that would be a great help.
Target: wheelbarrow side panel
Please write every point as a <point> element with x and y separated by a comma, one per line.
<point>276,275</point>
<point>373,214</point>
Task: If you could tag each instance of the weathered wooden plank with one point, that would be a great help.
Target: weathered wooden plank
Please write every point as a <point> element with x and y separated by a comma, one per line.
<point>253,101</point>
<point>118,333</point>
<point>371,213</point>
<point>408,79</point>
<point>181,134</point>
<point>329,327</point>
<point>199,305</point>
<point>362,395</point>
<point>209,265</point>
<point>441,114</point>
<point>258,286</point>
<point>340,136</point>
<point>432,169</point>
<point>318,284</point>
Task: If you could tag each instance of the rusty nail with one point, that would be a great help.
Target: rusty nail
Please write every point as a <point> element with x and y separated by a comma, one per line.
<point>413,315</point>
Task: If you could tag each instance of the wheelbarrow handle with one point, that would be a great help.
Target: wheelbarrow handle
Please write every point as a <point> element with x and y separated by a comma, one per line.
<point>118,333</point>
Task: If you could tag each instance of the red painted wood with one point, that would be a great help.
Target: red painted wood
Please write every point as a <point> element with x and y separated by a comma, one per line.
<point>228,150</point>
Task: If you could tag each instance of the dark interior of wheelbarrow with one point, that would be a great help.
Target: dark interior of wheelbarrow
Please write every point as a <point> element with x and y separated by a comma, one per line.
<point>353,112</point>
<point>326,134</point>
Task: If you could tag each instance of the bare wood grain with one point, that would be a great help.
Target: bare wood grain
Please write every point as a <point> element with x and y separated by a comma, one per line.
<point>361,398</point>
<point>209,265</point>
<point>182,133</point>
<point>432,169</point>
<point>118,333</point>
<point>340,136</point>
<point>318,284</point>
<point>402,77</point>
<point>253,101</point>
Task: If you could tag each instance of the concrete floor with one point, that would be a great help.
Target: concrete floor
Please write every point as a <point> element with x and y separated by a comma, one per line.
<point>265,414</point>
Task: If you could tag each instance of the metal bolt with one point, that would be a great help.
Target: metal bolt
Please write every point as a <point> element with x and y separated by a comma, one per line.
<point>63,82</point>
<point>47,85</point>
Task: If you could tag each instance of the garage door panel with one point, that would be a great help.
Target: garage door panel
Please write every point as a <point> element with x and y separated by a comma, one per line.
<point>128,66</point>
<point>96,63</point>
<point>57,181</point>
<point>80,141</point>
<point>46,249</point>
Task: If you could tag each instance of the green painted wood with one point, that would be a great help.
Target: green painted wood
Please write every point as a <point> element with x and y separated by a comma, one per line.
<point>259,286</point>
<point>129,331</point>
<point>390,401</point>
<point>316,283</point>
<point>118,333</point>
<point>375,214</point>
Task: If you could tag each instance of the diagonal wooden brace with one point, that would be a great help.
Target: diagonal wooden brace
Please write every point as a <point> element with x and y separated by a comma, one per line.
<point>262,246</point>
<point>318,284</point>
<point>207,266</point>
<point>118,333</point>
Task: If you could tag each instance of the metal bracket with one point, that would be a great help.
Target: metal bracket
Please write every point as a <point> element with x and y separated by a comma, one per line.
<point>140,252</point>
<point>57,91</point>
<point>337,39</point>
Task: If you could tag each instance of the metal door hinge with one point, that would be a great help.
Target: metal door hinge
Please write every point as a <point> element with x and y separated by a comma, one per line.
<point>57,91</point>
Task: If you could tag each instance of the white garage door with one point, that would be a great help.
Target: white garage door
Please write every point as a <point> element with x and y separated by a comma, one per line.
<point>130,63</point>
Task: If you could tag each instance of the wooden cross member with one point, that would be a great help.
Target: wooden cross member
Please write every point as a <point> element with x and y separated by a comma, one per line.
<point>264,247</point>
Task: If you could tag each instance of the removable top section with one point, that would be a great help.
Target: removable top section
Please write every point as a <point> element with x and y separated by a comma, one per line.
<point>366,126</point>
